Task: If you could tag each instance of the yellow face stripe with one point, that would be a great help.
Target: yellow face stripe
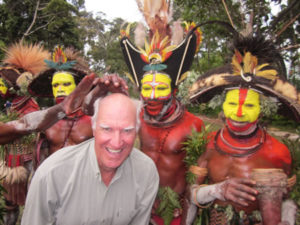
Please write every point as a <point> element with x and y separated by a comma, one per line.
<point>62,84</point>
<point>3,88</point>
<point>156,86</point>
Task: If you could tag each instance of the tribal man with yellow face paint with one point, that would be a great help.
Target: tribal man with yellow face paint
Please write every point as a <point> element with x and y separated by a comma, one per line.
<point>60,83</point>
<point>242,146</point>
<point>157,71</point>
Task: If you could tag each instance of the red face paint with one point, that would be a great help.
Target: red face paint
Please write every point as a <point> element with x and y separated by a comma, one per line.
<point>242,98</point>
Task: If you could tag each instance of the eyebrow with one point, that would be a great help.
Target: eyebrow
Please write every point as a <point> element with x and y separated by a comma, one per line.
<point>106,126</point>
<point>129,128</point>
<point>103,126</point>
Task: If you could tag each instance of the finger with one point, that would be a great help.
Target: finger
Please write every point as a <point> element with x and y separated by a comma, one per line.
<point>248,181</point>
<point>116,80</point>
<point>243,195</point>
<point>241,186</point>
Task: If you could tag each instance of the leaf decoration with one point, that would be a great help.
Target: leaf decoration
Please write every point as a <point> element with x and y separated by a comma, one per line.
<point>169,200</point>
<point>154,67</point>
<point>58,66</point>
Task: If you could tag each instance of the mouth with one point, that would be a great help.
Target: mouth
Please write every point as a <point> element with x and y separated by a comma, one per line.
<point>237,123</point>
<point>113,151</point>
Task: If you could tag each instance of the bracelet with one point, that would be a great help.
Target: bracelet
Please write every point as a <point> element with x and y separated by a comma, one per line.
<point>195,198</point>
<point>198,171</point>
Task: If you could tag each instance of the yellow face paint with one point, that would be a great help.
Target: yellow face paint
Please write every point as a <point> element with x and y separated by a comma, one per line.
<point>3,87</point>
<point>156,86</point>
<point>242,105</point>
<point>62,84</point>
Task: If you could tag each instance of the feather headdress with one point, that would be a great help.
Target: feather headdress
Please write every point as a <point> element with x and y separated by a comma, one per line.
<point>256,63</point>
<point>67,60</point>
<point>22,62</point>
<point>164,50</point>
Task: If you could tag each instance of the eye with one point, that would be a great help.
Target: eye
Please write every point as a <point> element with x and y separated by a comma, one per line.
<point>67,84</point>
<point>146,88</point>
<point>249,105</point>
<point>127,131</point>
<point>55,85</point>
<point>161,88</point>
<point>232,103</point>
<point>107,129</point>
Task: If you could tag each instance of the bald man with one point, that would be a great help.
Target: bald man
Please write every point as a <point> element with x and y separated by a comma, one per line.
<point>117,184</point>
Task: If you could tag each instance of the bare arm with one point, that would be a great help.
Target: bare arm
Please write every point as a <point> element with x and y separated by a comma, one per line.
<point>41,120</point>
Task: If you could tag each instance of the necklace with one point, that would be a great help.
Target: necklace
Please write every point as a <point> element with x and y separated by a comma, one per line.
<point>247,150</point>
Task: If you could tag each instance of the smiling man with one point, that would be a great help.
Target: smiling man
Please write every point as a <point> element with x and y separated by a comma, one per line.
<point>117,184</point>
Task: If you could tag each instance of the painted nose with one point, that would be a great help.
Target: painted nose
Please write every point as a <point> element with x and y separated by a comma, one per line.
<point>239,112</point>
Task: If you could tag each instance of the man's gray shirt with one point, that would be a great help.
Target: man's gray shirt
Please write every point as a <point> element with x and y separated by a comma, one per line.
<point>67,190</point>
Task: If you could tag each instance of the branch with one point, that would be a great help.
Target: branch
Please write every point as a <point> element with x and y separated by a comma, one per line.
<point>286,26</point>
<point>282,14</point>
<point>33,20</point>
<point>289,47</point>
<point>40,27</point>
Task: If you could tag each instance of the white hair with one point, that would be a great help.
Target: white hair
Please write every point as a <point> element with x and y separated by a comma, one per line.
<point>137,103</point>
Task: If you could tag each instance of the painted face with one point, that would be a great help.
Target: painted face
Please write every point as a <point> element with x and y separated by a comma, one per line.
<point>242,105</point>
<point>156,90</point>
<point>62,84</point>
<point>3,87</point>
<point>156,86</point>
<point>115,132</point>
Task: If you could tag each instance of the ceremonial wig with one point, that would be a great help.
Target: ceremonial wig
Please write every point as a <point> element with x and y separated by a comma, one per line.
<point>22,63</point>
<point>68,61</point>
<point>168,49</point>
<point>256,64</point>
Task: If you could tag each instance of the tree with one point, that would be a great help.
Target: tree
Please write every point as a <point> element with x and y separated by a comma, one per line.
<point>216,41</point>
<point>50,22</point>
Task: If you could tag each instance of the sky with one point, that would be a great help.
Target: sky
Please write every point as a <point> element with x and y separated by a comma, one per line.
<point>126,9</point>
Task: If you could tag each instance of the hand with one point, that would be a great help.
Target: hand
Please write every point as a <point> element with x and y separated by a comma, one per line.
<point>238,190</point>
<point>75,99</point>
<point>108,83</point>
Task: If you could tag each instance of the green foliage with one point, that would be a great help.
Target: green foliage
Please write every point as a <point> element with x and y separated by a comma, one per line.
<point>184,86</point>
<point>169,200</point>
<point>195,147</point>
<point>2,205</point>
<point>268,106</point>
<point>55,23</point>
<point>217,39</point>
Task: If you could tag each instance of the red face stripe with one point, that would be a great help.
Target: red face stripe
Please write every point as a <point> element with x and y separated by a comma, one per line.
<point>242,98</point>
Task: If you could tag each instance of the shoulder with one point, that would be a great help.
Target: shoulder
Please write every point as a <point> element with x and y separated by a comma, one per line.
<point>279,149</point>
<point>141,162</point>
<point>193,119</point>
<point>64,159</point>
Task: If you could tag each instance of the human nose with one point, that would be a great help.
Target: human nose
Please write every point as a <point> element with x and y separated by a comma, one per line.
<point>239,112</point>
<point>116,140</point>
